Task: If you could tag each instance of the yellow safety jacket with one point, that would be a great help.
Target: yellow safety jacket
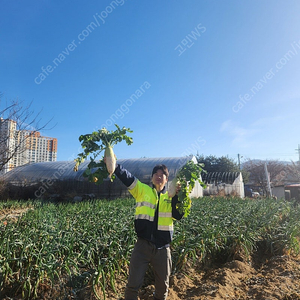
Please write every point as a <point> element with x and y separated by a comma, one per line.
<point>154,213</point>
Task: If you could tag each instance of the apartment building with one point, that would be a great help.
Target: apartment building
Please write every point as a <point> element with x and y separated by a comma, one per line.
<point>28,146</point>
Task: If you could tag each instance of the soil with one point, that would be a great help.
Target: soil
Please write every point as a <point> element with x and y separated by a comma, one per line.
<point>275,278</point>
<point>260,278</point>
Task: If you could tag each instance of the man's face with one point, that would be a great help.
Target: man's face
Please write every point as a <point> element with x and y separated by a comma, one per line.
<point>159,179</point>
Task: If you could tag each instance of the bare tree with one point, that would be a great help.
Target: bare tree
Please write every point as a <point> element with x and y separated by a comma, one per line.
<point>19,117</point>
<point>294,171</point>
<point>221,164</point>
<point>277,172</point>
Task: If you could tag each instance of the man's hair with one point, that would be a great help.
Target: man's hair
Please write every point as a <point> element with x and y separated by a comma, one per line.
<point>161,167</point>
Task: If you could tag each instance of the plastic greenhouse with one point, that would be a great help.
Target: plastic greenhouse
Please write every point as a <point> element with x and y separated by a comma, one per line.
<point>224,184</point>
<point>43,175</point>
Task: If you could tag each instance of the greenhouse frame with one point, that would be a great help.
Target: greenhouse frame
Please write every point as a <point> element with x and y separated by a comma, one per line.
<point>58,178</point>
<point>224,184</point>
<point>43,175</point>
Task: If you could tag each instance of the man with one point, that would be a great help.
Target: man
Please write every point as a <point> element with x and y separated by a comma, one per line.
<point>153,223</point>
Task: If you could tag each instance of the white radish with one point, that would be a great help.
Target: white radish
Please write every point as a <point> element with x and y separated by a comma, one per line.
<point>96,142</point>
<point>173,187</point>
<point>110,160</point>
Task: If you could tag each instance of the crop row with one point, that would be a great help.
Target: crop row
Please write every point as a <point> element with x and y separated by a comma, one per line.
<point>219,229</point>
<point>75,245</point>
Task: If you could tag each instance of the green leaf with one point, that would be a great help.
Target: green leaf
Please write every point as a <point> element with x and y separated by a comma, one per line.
<point>188,175</point>
<point>93,145</point>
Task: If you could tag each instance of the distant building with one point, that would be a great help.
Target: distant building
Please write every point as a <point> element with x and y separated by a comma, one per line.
<point>278,191</point>
<point>28,146</point>
<point>292,191</point>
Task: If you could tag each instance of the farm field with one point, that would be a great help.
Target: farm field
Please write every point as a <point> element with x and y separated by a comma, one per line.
<point>226,249</point>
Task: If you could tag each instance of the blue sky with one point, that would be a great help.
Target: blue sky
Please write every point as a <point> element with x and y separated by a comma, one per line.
<point>208,77</point>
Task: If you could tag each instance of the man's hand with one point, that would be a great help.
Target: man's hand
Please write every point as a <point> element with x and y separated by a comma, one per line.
<point>178,188</point>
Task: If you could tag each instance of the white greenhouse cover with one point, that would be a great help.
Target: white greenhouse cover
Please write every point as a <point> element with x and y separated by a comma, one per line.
<point>63,170</point>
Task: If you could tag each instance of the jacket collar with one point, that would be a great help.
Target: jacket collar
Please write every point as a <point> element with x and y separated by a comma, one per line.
<point>163,191</point>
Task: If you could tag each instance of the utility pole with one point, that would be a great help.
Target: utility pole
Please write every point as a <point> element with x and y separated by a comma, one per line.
<point>298,151</point>
<point>268,180</point>
<point>239,161</point>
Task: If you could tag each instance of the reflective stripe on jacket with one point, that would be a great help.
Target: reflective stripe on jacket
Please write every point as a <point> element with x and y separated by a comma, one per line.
<point>154,211</point>
<point>147,200</point>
